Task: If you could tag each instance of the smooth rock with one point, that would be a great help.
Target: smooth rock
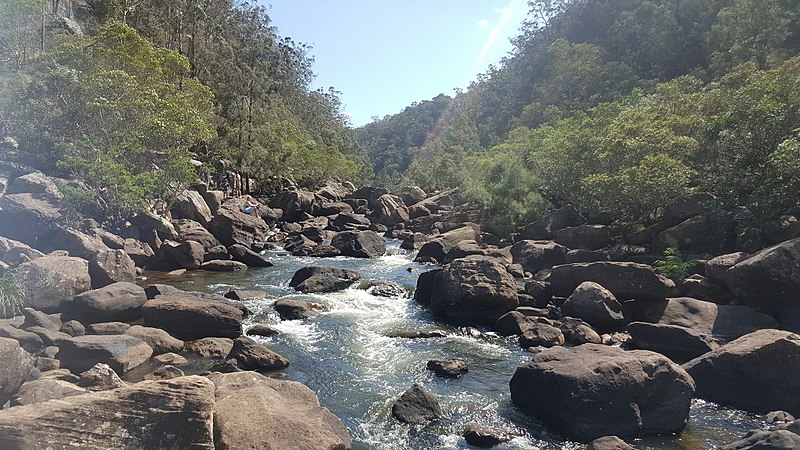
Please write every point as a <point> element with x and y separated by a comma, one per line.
<point>594,304</point>
<point>253,356</point>
<point>160,341</point>
<point>121,353</point>
<point>116,302</point>
<point>189,317</point>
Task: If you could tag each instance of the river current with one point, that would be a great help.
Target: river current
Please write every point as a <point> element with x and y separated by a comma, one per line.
<point>344,356</point>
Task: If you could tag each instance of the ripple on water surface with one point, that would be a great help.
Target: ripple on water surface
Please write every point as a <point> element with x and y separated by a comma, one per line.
<point>345,357</point>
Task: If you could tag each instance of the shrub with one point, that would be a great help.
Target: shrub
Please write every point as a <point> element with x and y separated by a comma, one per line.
<point>672,266</point>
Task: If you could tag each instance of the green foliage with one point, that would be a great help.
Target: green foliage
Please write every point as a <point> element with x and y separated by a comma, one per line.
<point>672,266</point>
<point>12,295</point>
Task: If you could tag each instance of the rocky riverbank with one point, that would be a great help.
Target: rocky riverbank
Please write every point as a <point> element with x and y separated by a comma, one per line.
<point>617,348</point>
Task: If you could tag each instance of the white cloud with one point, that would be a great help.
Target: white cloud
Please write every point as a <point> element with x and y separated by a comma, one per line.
<point>483,22</point>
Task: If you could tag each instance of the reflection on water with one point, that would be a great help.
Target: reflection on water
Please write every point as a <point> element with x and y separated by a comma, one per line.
<point>345,357</point>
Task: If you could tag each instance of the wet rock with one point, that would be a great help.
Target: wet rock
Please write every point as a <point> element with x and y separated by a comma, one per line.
<point>417,334</point>
<point>158,339</point>
<point>537,255</point>
<point>755,372</point>
<point>608,443</point>
<point>437,248</point>
<point>42,390</point>
<point>296,419</point>
<point>295,309</point>
<point>210,347</point>
<point>623,279</point>
<point>484,437</point>
<point>588,237</point>
<point>596,305</point>
<point>359,244</point>
<point>474,290</point>
<point>318,279</point>
<point>592,390</point>
<point>189,317</point>
<point>116,302</point>
<point>448,368</point>
<point>111,266</point>
<point>15,368</point>
<point>219,265</point>
<point>769,280</point>
<point>241,295</point>
<point>121,353</point>
<point>766,440</point>
<point>541,335</point>
<point>151,414</point>
<point>101,377</point>
<point>417,406</point>
<point>385,289</point>
<point>245,255</point>
<point>253,356</point>
<point>52,281</point>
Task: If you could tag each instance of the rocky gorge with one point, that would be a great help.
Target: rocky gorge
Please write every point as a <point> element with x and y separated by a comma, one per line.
<point>176,330</point>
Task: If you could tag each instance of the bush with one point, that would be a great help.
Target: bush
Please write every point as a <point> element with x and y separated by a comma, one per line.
<point>672,266</point>
<point>12,296</point>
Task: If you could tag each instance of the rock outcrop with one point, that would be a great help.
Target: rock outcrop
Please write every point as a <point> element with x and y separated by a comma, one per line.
<point>190,317</point>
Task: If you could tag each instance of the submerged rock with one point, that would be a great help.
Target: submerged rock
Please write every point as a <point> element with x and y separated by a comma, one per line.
<point>484,437</point>
<point>417,406</point>
<point>318,279</point>
<point>448,368</point>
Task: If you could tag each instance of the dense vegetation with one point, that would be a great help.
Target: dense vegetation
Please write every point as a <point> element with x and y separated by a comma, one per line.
<point>617,107</point>
<point>126,105</point>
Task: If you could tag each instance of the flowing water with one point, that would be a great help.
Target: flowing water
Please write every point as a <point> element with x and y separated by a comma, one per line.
<point>345,357</point>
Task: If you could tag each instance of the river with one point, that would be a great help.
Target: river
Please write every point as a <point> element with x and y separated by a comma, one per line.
<point>345,357</point>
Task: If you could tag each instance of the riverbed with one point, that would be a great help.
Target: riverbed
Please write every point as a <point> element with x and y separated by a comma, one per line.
<point>345,357</point>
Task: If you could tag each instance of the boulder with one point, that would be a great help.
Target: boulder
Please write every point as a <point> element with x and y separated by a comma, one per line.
<point>246,256</point>
<point>191,205</point>
<point>577,332</point>
<point>293,414</point>
<point>34,318</point>
<point>151,414</point>
<point>707,233</point>
<point>583,256</point>
<point>108,328</point>
<point>566,216</point>
<point>623,279</point>
<point>470,289</point>
<point>111,266</point>
<point>52,281</point>
<point>101,377</point>
<point>770,279</point>
<point>677,343</point>
<point>756,372</point>
<point>593,390</point>
<point>210,347</point>
<point>359,244</point>
<point>389,210</point>
<point>232,226</point>
<point>112,241</point>
<point>538,334</point>
<point>448,368</point>
<point>318,279</point>
<point>141,253</point>
<point>29,341</point>
<point>34,183</point>
<point>417,405</point>
<point>253,356</point>
<point>512,323</point>
<point>75,242</point>
<point>335,191</point>
<point>295,204</point>
<point>223,265</point>
<point>608,443</point>
<point>16,366</point>
<point>484,437</point>
<point>716,268</point>
<point>386,289</point>
<point>15,253</point>
<point>121,353</point>
<point>190,230</point>
<point>595,305</point>
<point>164,373</point>
<point>766,440</point>
<point>49,337</point>
<point>159,340</point>
<point>115,302</point>
<point>153,223</point>
<point>214,200</point>
<point>261,330</point>
<point>189,317</point>
<point>172,359</point>
<point>42,390</point>
<point>437,248</point>
<point>188,255</point>
<point>462,250</point>
<point>290,309</point>
<point>537,255</point>
<point>587,237</point>
<point>412,195</point>
<point>370,194</point>
<point>350,221</point>
<point>27,217</point>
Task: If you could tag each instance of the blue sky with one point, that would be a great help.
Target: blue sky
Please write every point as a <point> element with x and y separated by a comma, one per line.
<point>385,54</point>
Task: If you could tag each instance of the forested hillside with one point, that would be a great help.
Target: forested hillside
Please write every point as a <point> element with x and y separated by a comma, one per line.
<point>618,107</point>
<point>123,96</point>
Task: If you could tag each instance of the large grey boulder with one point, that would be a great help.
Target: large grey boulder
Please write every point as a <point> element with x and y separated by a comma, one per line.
<point>417,405</point>
<point>766,440</point>
<point>232,226</point>
<point>677,343</point>
<point>623,279</point>
<point>709,232</point>
<point>120,352</point>
<point>716,269</point>
<point>52,281</point>
<point>290,410</point>
<point>593,390</point>
<point>34,183</point>
<point>253,356</point>
<point>473,289</point>
<point>27,217</point>
<point>189,317</point>
<point>770,279</point>
<point>116,302</point>
<point>45,389</point>
<point>437,248</point>
<point>191,205</point>
<point>190,230</point>
<point>595,305</point>
<point>148,415</point>
<point>389,210</point>
<point>15,253</point>
<point>757,372</point>
<point>359,244</point>
<point>295,204</point>
<point>537,255</point>
<point>111,266</point>
<point>15,368</point>
<point>77,243</point>
<point>316,279</point>
<point>246,256</point>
